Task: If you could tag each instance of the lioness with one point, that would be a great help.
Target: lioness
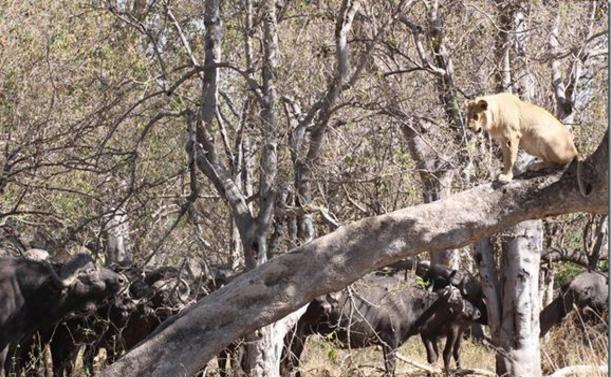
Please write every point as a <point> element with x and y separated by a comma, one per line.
<point>512,122</point>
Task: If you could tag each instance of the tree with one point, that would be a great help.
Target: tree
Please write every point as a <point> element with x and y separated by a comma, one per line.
<point>436,173</point>
<point>515,296</point>
<point>333,261</point>
<point>512,292</point>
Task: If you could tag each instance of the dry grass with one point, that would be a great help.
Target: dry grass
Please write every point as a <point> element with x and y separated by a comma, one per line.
<point>322,358</point>
<point>578,340</point>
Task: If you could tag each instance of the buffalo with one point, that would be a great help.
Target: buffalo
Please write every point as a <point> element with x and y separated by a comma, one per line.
<point>588,291</point>
<point>35,294</point>
<point>439,277</point>
<point>377,310</point>
<point>118,325</point>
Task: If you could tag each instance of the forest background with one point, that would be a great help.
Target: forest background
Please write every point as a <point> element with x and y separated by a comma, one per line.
<point>225,133</point>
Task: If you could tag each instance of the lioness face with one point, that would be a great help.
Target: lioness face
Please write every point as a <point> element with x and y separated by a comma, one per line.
<point>478,115</point>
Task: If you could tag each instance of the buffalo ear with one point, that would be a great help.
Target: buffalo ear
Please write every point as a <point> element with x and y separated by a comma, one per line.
<point>483,104</point>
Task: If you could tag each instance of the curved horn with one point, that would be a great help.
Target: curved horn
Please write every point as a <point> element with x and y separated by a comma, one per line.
<point>184,298</point>
<point>54,275</point>
<point>69,271</point>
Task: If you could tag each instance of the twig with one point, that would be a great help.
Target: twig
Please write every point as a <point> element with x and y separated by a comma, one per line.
<point>417,364</point>
<point>460,372</point>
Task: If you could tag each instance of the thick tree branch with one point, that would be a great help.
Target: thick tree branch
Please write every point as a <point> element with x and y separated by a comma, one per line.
<point>185,343</point>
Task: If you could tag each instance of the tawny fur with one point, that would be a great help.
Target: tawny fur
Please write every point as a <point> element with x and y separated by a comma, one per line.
<point>514,123</point>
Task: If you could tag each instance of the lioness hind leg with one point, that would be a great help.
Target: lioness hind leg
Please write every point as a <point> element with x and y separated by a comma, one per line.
<point>540,165</point>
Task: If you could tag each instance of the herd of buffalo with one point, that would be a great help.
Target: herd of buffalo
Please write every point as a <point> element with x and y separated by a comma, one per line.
<point>76,305</point>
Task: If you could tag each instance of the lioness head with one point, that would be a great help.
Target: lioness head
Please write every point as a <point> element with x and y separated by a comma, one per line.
<point>478,115</point>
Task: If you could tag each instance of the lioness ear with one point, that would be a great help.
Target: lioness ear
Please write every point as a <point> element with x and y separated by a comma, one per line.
<point>483,104</point>
<point>468,103</point>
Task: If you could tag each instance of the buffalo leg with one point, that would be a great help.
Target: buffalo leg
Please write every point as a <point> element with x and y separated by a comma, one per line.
<point>389,360</point>
<point>295,349</point>
<point>222,362</point>
<point>430,344</point>
<point>454,333</point>
<point>456,348</point>
<point>3,354</point>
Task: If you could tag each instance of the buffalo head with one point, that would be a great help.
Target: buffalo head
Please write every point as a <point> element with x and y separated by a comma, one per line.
<point>459,306</point>
<point>81,281</point>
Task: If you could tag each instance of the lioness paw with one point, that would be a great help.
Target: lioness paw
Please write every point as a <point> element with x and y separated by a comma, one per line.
<point>505,178</point>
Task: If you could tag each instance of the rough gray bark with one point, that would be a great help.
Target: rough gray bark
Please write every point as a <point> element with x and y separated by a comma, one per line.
<point>547,276</point>
<point>116,230</point>
<point>185,343</point>
<point>517,331</point>
<point>253,230</point>
<point>524,83</point>
<point>205,152</point>
<point>264,347</point>
<point>574,92</point>
<point>503,42</point>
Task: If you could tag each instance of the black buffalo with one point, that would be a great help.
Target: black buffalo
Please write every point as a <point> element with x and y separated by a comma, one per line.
<point>152,297</point>
<point>588,291</point>
<point>470,287</point>
<point>377,310</point>
<point>36,294</point>
<point>117,326</point>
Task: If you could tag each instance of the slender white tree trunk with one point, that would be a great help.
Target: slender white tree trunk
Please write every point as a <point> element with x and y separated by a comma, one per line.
<point>117,231</point>
<point>264,347</point>
<point>485,258</point>
<point>118,244</point>
<point>236,257</point>
<point>546,281</point>
<point>519,335</point>
<point>266,360</point>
